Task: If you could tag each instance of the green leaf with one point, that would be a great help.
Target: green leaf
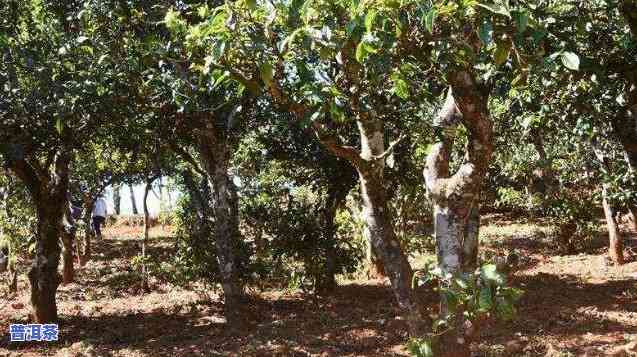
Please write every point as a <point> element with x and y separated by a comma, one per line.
<point>429,18</point>
<point>505,309</point>
<point>203,11</point>
<point>496,9</point>
<point>369,20</point>
<point>461,283</point>
<point>101,59</point>
<point>420,348</point>
<point>218,49</point>
<point>285,44</point>
<point>570,60</point>
<point>336,112</point>
<point>521,20</point>
<point>451,299</point>
<point>361,53</point>
<point>218,23</point>
<point>538,36</point>
<point>370,48</point>
<point>325,53</point>
<point>485,300</point>
<point>490,273</point>
<point>414,281</point>
<point>251,4</point>
<point>59,125</point>
<point>502,52</point>
<point>173,21</point>
<point>400,88</point>
<point>486,32</point>
<point>87,49</point>
<point>512,294</point>
<point>267,73</point>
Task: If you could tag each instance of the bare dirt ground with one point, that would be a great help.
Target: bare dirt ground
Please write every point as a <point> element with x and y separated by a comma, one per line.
<point>576,305</point>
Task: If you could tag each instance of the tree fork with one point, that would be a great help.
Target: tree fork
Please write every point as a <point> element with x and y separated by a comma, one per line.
<point>48,192</point>
<point>456,197</point>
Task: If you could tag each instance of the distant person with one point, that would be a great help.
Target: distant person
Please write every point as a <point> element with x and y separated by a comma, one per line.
<point>99,215</point>
<point>73,214</point>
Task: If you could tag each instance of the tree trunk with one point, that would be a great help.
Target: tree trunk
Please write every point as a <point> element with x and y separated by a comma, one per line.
<point>84,254</point>
<point>546,174</point>
<point>147,188</point>
<point>50,200</point>
<point>616,244</point>
<point>336,195</point>
<point>68,236</point>
<point>327,282</point>
<point>375,267</point>
<point>68,271</point>
<point>615,240</point>
<point>369,164</point>
<point>632,217</point>
<point>216,154</point>
<point>378,219</point>
<point>13,280</point>
<point>117,198</point>
<point>456,197</point>
<point>43,275</point>
<point>12,272</point>
<point>625,130</point>
<point>133,202</point>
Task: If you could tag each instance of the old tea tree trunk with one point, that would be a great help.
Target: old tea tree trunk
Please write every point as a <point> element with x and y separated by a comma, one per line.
<point>370,165</point>
<point>615,239</point>
<point>456,197</point>
<point>369,162</point>
<point>215,149</point>
<point>68,235</point>
<point>47,187</point>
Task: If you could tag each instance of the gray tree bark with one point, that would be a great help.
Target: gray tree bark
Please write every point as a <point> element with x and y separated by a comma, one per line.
<point>546,174</point>
<point>117,198</point>
<point>48,190</point>
<point>145,277</point>
<point>370,164</point>
<point>615,239</point>
<point>456,197</point>
<point>336,195</point>
<point>133,202</point>
<point>379,221</point>
<point>215,152</point>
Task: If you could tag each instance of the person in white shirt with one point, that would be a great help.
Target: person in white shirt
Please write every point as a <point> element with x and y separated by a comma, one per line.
<point>99,215</point>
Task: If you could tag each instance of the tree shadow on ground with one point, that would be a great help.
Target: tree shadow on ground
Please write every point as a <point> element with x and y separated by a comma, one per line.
<point>355,320</point>
<point>569,309</point>
<point>109,249</point>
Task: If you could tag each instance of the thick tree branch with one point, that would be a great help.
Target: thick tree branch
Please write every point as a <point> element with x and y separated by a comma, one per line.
<point>299,110</point>
<point>186,157</point>
<point>334,145</point>
<point>390,148</point>
<point>472,103</point>
<point>436,172</point>
<point>23,170</point>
